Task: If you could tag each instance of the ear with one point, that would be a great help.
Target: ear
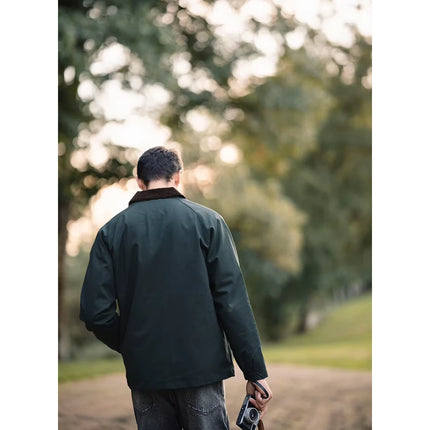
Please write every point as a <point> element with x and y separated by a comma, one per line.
<point>176,178</point>
<point>141,184</point>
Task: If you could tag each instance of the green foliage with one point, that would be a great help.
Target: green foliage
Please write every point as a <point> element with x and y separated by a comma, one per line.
<point>311,132</point>
<point>75,272</point>
<point>281,118</point>
<point>332,185</point>
<point>85,28</point>
<point>299,200</point>
<point>265,221</point>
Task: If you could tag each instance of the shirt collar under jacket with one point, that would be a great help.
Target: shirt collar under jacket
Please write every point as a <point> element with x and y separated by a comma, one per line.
<point>155,193</point>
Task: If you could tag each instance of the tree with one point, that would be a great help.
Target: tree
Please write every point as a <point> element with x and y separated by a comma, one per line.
<point>310,130</point>
<point>279,126</point>
<point>303,135</point>
<point>333,185</point>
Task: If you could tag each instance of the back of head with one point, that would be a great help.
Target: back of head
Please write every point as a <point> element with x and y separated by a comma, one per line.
<point>158,163</point>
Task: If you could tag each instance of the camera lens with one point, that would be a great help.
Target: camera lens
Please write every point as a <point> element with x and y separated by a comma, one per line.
<point>252,415</point>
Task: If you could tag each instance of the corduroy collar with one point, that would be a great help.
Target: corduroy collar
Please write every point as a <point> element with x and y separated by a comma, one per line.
<point>155,193</point>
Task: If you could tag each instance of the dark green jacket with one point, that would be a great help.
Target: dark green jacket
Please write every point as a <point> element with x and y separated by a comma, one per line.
<point>163,287</point>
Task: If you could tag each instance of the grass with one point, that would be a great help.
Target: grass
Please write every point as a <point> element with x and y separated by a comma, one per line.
<point>84,369</point>
<point>343,339</point>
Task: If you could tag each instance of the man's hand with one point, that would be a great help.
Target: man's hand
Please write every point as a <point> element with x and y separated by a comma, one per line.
<point>259,401</point>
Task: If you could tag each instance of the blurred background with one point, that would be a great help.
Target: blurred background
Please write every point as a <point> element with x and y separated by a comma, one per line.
<point>269,102</point>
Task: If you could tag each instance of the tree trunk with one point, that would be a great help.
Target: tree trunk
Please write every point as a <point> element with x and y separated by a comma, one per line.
<point>63,332</point>
<point>302,326</point>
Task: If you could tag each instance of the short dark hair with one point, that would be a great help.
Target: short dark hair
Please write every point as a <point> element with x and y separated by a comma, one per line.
<point>158,163</point>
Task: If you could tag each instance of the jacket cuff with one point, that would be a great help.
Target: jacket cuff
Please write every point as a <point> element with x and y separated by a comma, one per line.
<point>256,376</point>
<point>107,333</point>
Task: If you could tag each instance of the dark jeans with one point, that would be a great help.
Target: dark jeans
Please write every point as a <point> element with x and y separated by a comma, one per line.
<point>199,408</point>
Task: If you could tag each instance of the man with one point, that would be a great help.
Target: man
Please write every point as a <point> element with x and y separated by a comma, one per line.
<point>164,288</point>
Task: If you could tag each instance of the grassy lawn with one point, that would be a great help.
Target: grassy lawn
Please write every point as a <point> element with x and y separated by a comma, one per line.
<point>83,369</point>
<point>343,339</point>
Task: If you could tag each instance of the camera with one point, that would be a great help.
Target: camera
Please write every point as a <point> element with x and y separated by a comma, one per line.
<point>249,415</point>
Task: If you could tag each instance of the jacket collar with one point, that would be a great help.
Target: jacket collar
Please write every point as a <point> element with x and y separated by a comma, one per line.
<point>155,193</point>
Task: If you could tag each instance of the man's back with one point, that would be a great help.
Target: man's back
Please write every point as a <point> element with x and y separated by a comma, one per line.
<point>164,288</point>
<point>178,284</point>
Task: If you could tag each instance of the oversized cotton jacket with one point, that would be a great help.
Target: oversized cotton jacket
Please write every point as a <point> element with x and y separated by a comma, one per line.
<point>164,288</point>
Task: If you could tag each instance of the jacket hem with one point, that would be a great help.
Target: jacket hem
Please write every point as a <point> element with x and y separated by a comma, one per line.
<point>181,383</point>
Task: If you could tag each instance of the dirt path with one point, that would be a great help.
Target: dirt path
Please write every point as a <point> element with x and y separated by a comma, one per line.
<point>306,398</point>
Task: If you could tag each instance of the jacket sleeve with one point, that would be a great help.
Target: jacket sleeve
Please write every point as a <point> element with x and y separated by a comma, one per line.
<point>98,296</point>
<point>232,303</point>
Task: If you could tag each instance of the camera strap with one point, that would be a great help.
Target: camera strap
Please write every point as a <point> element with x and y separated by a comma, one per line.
<point>266,394</point>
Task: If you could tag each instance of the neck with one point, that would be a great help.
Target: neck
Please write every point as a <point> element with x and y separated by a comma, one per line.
<point>159,184</point>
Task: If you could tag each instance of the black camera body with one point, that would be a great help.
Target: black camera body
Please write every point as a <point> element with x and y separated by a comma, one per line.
<point>249,415</point>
